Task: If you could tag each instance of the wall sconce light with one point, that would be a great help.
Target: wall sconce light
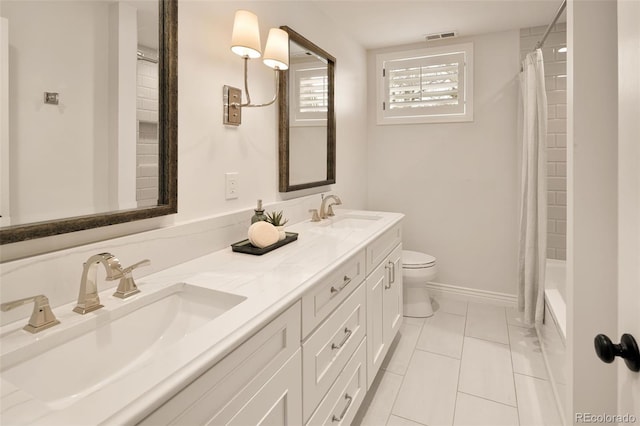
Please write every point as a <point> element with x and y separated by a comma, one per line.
<point>245,42</point>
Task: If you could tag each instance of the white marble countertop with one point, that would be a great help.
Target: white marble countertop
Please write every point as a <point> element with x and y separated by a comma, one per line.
<point>270,283</point>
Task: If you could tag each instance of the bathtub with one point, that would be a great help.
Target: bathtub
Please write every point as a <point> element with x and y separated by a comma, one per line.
<point>552,333</point>
<point>555,294</point>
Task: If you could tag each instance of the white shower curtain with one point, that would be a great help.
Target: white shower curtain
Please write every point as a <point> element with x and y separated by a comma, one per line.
<point>533,214</point>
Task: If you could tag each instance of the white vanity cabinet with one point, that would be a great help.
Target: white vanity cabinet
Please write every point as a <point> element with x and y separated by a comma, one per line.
<point>314,363</point>
<point>384,297</point>
<point>257,383</point>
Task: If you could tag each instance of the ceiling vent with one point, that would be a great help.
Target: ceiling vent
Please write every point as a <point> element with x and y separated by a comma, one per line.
<point>440,36</point>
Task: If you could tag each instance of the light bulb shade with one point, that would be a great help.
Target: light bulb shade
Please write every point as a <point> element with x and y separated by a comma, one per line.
<point>245,40</point>
<point>276,53</point>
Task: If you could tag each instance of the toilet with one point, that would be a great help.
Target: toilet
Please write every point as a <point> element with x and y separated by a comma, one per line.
<point>417,270</point>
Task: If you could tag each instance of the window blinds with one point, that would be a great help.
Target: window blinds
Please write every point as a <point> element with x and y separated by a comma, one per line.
<point>310,96</point>
<point>313,91</point>
<point>428,85</point>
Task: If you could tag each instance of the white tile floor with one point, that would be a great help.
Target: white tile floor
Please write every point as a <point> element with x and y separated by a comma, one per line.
<point>469,364</point>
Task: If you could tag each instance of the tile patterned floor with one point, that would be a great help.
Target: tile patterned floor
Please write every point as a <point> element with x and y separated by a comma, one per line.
<point>469,364</point>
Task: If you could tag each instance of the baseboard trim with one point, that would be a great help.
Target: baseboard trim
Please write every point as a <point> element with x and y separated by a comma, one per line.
<point>473,294</point>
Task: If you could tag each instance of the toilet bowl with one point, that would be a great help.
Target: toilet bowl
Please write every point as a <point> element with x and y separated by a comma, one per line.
<point>417,270</point>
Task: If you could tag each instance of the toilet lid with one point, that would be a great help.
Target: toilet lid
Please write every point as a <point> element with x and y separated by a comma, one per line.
<point>414,260</point>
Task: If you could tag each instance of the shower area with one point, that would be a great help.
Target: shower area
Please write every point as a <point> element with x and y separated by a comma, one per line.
<point>147,154</point>
<point>552,40</point>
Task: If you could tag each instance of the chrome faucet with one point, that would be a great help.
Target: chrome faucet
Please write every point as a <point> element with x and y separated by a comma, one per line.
<point>41,318</point>
<point>88,299</point>
<point>326,212</point>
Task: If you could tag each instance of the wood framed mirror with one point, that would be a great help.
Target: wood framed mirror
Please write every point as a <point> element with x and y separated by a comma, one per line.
<point>306,109</point>
<point>164,123</point>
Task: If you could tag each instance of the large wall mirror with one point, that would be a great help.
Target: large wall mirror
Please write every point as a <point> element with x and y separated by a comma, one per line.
<point>307,134</point>
<point>88,134</point>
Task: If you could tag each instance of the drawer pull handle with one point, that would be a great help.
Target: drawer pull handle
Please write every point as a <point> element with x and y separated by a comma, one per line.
<point>344,411</point>
<point>347,334</point>
<point>345,282</point>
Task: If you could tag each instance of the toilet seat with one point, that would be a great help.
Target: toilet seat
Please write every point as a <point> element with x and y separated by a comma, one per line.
<point>417,260</point>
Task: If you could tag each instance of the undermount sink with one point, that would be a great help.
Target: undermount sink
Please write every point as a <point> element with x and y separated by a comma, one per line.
<point>349,221</point>
<point>73,363</point>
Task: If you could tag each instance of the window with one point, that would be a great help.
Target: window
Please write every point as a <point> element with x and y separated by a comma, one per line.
<point>432,85</point>
<point>309,95</point>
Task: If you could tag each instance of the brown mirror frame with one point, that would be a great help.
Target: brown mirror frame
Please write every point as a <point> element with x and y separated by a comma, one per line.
<point>168,149</point>
<point>283,115</point>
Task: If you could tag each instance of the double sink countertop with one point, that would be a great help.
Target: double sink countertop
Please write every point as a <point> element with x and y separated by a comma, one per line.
<point>118,364</point>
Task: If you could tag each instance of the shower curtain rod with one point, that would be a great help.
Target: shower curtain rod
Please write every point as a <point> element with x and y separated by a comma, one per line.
<point>540,43</point>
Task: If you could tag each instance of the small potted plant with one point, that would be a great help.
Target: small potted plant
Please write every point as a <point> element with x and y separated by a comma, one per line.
<point>276,219</point>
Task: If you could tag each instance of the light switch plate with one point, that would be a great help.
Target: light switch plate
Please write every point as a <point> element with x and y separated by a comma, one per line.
<point>231,185</point>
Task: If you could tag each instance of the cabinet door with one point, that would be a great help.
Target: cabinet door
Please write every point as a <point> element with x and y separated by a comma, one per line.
<point>376,349</point>
<point>392,300</point>
<point>277,403</point>
<point>384,310</point>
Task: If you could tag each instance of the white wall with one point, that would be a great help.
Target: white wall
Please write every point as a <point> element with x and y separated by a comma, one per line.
<point>4,123</point>
<point>208,149</point>
<point>457,183</point>
<point>211,149</point>
<point>57,61</point>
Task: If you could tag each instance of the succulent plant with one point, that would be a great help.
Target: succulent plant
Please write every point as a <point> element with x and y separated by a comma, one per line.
<point>276,219</point>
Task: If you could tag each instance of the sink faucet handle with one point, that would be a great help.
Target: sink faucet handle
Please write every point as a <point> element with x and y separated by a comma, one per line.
<point>127,286</point>
<point>337,202</point>
<point>41,318</point>
<point>145,262</point>
<point>314,215</point>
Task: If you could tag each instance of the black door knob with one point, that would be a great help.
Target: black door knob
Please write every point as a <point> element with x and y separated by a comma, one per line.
<point>627,349</point>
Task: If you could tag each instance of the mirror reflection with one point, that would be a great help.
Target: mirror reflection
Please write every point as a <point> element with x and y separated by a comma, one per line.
<point>308,108</point>
<point>80,107</point>
<point>307,123</point>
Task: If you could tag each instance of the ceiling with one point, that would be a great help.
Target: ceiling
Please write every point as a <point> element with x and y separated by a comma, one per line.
<point>382,23</point>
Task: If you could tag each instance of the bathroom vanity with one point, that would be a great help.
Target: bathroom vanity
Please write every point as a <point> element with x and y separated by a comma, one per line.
<point>294,337</point>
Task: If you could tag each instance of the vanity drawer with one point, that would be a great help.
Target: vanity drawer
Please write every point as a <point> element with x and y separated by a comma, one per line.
<point>382,246</point>
<point>328,349</point>
<point>243,372</point>
<point>345,396</point>
<point>323,298</point>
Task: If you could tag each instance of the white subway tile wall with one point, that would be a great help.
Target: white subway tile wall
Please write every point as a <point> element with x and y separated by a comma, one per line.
<point>555,70</point>
<point>147,146</point>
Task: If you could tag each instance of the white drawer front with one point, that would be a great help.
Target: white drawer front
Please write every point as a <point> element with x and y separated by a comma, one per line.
<point>329,348</point>
<point>244,370</point>
<point>382,246</point>
<point>322,299</point>
<point>347,393</point>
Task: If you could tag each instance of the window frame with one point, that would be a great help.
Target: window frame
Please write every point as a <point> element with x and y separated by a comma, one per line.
<point>428,55</point>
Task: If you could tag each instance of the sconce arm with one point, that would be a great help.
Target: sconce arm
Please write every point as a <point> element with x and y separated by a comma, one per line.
<point>248,104</point>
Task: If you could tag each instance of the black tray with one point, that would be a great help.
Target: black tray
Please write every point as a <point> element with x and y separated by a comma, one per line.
<point>245,246</point>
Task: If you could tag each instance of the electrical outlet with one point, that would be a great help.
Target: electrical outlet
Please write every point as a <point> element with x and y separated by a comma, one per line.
<point>231,185</point>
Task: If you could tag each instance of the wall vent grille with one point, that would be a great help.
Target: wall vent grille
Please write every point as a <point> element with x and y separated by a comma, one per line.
<point>440,36</point>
